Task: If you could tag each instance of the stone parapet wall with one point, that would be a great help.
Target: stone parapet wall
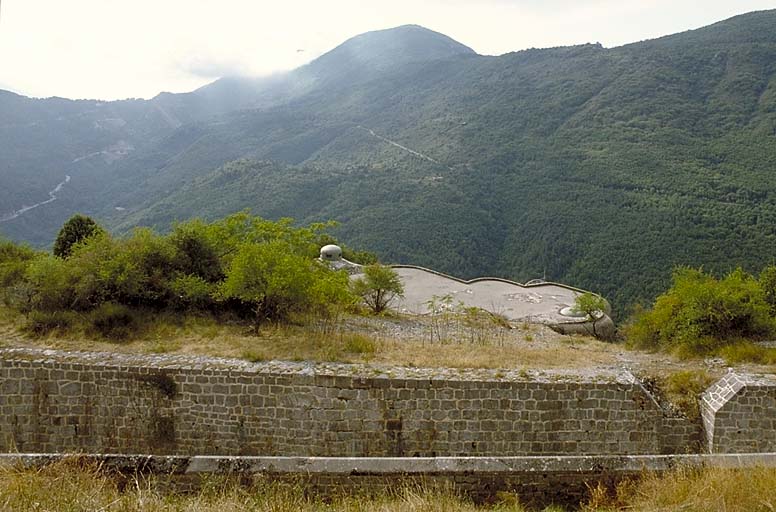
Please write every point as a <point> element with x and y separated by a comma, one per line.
<point>54,402</point>
<point>739,414</point>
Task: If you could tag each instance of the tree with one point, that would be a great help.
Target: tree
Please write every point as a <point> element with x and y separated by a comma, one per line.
<point>77,228</point>
<point>591,305</point>
<point>274,281</point>
<point>378,287</point>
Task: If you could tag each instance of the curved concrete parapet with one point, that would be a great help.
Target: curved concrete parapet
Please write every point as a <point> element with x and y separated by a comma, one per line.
<point>540,302</point>
<point>604,327</point>
<point>537,301</point>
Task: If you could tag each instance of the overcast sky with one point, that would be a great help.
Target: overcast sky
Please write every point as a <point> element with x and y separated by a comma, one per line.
<point>110,49</point>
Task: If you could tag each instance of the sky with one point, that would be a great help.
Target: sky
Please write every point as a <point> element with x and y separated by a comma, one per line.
<point>113,49</point>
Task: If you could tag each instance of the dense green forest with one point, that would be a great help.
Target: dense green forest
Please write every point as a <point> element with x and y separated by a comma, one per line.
<point>601,168</point>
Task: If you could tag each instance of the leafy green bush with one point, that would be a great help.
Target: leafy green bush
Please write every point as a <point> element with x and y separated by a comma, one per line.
<point>193,292</point>
<point>276,282</point>
<point>13,262</point>
<point>147,261</point>
<point>700,313</point>
<point>768,284</point>
<point>114,321</point>
<point>242,265</point>
<point>52,284</point>
<point>196,253</point>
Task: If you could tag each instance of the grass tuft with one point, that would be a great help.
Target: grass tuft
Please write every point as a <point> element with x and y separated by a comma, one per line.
<point>748,352</point>
<point>683,388</point>
<point>356,343</point>
<point>707,490</point>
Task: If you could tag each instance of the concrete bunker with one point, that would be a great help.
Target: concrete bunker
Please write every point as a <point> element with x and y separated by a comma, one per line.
<point>538,301</point>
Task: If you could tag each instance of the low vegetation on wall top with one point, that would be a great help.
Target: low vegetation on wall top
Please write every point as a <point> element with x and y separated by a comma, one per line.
<point>254,270</point>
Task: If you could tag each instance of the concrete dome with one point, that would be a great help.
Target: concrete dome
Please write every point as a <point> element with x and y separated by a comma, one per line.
<point>331,253</point>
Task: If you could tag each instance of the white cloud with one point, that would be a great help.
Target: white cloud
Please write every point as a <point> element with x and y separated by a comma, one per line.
<point>120,48</point>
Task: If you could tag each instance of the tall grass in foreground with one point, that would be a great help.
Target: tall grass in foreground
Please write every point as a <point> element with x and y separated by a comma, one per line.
<point>72,486</point>
<point>701,490</point>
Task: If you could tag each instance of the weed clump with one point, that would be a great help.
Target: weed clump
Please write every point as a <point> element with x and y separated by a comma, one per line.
<point>113,321</point>
<point>748,352</point>
<point>359,344</point>
<point>683,389</point>
<point>42,323</point>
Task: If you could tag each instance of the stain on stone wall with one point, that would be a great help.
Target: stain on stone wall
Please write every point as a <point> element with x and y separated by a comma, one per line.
<point>51,406</point>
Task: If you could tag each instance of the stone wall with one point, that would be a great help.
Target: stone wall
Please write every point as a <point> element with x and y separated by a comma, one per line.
<point>51,403</point>
<point>739,414</point>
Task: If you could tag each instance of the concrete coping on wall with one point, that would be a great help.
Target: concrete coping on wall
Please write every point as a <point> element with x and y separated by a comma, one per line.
<point>175,362</point>
<point>180,465</point>
<point>718,394</point>
<point>757,379</point>
<point>733,422</point>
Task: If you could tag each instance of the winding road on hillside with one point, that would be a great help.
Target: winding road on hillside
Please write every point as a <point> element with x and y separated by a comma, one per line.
<point>404,148</point>
<point>110,153</point>
<point>52,197</point>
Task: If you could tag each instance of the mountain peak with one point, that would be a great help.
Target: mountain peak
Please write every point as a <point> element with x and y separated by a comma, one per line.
<point>382,49</point>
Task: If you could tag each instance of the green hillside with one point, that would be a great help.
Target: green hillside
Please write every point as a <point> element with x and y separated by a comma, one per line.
<point>601,168</point>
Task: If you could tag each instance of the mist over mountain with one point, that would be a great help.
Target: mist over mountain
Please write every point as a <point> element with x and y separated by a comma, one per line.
<point>601,168</point>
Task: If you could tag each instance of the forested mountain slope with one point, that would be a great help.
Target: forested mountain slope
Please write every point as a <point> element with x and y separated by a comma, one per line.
<point>602,168</point>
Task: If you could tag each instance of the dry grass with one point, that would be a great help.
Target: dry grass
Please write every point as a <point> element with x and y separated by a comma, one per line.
<point>75,486</point>
<point>495,347</point>
<point>707,490</point>
<point>557,354</point>
<point>71,486</point>
<point>748,352</point>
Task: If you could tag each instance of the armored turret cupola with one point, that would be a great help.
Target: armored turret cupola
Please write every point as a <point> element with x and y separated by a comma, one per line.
<point>331,253</point>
